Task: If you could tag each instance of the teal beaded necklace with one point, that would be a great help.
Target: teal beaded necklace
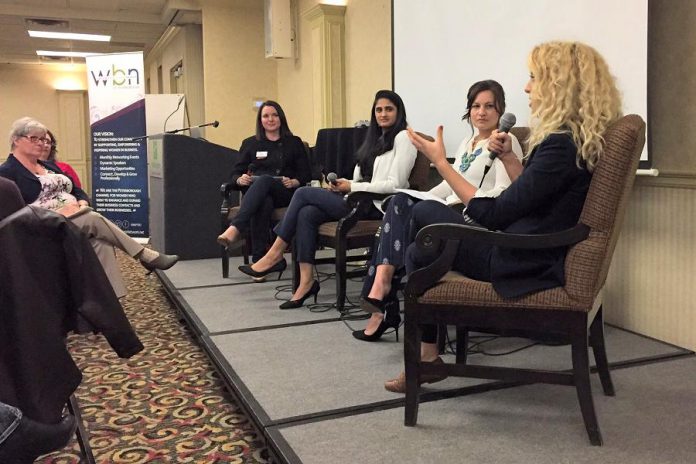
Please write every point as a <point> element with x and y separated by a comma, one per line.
<point>468,158</point>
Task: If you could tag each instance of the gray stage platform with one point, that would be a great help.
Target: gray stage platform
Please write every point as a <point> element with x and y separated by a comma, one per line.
<point>317,395</point>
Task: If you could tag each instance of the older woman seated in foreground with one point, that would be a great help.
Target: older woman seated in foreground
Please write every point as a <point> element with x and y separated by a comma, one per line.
<point>43,184</point>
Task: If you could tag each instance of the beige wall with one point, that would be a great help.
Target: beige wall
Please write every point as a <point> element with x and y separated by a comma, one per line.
<point>235,70</point>
<point>367,64</point>
<point>368,55</point>
<point>672,88</point>
<point>30,90</point>
<point>295,78</point>
<point>650,286</point>
<point>182,44</point>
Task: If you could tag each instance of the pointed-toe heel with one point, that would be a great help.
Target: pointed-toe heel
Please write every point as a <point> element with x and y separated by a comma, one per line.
<point>292,304</point>
<point>161,262</point>
<point>392,317</point>
<point>278,267</point>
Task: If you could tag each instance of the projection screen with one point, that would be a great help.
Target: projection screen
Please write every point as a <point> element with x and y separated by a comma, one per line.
<point>441,47</point>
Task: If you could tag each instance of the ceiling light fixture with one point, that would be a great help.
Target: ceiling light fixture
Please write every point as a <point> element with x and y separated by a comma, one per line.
<point>59,53</point>
<point>70,36</point>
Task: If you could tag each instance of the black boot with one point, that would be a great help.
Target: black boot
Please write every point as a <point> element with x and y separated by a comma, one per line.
<point>31,439</point>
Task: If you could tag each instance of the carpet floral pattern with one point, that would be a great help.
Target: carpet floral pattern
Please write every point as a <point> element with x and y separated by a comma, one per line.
<point>164,405</point>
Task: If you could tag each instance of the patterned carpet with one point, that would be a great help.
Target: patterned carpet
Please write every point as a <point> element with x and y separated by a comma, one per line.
<point>164,405</point>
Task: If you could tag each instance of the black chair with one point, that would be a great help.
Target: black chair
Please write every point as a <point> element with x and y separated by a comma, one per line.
<point>70,293</point>
<point>230,194</point>
<point>350,233</point>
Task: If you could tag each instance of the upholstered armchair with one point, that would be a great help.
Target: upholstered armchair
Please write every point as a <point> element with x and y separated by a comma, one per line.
<point>570,314</point>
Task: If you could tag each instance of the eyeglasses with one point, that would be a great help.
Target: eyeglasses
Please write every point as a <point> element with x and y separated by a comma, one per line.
<point>35,139</point>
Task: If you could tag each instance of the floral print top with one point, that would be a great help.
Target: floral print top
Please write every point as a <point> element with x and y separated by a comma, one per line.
<point>54,191</point>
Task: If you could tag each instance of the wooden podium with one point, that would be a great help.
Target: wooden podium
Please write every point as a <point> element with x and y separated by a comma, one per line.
<point>185,177</point>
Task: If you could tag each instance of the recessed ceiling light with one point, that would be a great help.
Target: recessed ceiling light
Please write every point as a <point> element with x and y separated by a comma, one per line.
<point>70,36</point>
<point>59,53</point>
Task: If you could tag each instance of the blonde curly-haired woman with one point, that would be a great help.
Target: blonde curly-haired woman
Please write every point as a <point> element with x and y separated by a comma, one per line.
<point>573,99</point>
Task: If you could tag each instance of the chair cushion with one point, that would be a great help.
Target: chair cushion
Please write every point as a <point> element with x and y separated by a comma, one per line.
<point>276,216</point>
<point>361,228</point>
<point>454,288</point>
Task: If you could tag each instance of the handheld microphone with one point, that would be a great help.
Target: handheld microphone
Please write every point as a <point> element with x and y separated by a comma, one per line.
<point>507,121</point>
<point>331,178</point>
<point>251,169</point>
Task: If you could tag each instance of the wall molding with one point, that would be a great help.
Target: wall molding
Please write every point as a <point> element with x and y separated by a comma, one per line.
<point>327,31</point>
<point>669,179</point>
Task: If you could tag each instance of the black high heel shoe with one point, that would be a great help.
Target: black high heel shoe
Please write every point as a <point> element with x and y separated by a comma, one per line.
<point>392,318</point>
<point>292,304</point>
<point>278,267</point>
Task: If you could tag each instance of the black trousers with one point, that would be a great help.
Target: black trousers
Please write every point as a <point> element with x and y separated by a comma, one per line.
<point>472,260</point>
<point>260,199</point>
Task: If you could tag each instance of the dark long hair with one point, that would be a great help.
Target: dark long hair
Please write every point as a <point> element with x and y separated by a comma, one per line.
<point>482,86</point>
<point>284,129</point>
<point>377,143</point>
<point>54,145</point>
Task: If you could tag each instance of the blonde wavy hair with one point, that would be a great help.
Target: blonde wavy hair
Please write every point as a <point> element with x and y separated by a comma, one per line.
<point>573,93</point>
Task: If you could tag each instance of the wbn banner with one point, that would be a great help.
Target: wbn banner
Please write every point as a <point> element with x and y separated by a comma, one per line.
<point>117,115</point>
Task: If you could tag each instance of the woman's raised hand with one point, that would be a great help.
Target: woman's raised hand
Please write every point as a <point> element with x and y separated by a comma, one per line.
<point>434,151</point>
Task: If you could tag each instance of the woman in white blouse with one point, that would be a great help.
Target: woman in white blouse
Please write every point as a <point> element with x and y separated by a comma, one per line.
<point>485,104</point>
<point>385,161</point>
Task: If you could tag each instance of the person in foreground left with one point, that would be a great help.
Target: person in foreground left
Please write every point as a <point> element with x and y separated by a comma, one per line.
<point>43,184</point>
<point>22,440</point>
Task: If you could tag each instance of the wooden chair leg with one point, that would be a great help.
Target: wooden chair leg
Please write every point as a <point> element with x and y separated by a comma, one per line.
<point>340,278</point>
<point>81,432</point>
<point>581,375</point>
<point>412,337</point>
<point>246,250</point>
<point>441,338</point>
<point>600,353</point>
<point>462,344</point>
<point>295,269</point>
<point>225,263</point>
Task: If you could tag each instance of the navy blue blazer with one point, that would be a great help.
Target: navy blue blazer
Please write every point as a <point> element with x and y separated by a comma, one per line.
<point>29,185</point>
<point>547,197</point>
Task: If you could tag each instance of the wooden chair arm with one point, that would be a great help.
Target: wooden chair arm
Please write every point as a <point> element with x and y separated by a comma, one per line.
<point>226,191</point>
<point>431,236</point>
<point>360,203</point>
<point>446,237</point>
<point>355,198</point>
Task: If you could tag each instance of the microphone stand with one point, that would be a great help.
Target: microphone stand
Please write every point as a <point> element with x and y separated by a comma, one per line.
<point>175,131</point>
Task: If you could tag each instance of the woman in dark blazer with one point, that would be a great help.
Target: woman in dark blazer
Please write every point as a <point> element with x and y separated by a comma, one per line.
<point>573,100</point>
<point>272,165</point>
